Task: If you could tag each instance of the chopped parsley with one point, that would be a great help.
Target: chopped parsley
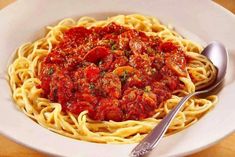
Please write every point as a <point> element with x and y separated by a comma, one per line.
<point>50,71</point>
<point>124,77</point>
<point>102,73</point>
<point>127,53</point>
<point>114,47</point>
<point>91,86</point>
<point>55,96</point>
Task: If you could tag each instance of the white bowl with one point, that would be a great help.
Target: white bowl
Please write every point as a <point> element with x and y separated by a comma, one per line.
<point>202,21</point>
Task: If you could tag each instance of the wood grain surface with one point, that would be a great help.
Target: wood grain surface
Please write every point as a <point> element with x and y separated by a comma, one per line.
<point>225,148</point>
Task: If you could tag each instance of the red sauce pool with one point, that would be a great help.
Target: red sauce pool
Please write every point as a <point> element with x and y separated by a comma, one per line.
<point>114,72</point>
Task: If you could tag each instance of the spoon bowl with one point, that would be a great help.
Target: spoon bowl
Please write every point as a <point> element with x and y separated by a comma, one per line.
<point>218,55</point>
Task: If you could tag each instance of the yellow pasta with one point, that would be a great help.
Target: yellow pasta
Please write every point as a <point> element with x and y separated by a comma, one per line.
<point>23,78</point>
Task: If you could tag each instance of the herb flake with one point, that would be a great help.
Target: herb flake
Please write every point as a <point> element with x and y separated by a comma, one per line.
<point>91,86</point>
<point>50,71</point>
<point>124,77</point>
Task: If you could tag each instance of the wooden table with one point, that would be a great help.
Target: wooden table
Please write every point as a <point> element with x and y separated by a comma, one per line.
<point>225,148</point>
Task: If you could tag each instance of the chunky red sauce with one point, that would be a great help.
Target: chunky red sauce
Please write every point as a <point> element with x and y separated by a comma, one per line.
<point>114,72</point>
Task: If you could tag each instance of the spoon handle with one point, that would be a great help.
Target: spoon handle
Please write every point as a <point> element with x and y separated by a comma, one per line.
<point>153,138</point>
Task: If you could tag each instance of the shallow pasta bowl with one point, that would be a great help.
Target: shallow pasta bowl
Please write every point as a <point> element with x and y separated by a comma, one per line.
<point>23,22</point>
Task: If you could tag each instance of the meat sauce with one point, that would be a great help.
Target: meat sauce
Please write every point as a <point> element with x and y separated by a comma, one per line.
<point>113,72</point>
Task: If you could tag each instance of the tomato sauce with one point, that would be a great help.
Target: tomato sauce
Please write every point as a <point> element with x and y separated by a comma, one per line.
<point>113,72</point>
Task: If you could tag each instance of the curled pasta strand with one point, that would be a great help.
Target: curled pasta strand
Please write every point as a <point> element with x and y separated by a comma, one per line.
<point>23,81</point>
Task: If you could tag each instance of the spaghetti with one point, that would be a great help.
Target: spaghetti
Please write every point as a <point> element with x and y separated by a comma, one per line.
<point>29,70</point>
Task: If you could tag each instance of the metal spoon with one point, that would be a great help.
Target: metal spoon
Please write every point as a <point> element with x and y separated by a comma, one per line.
<point>218,55</point>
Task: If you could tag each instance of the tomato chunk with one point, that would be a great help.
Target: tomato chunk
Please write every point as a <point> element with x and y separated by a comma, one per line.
<point>92,72</point>
<point>96,54</point>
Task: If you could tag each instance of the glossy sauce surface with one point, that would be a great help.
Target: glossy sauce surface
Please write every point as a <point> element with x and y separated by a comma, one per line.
<point>114,72</point>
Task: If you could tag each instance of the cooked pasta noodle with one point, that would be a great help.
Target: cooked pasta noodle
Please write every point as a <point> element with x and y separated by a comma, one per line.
<point>24,71</point>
